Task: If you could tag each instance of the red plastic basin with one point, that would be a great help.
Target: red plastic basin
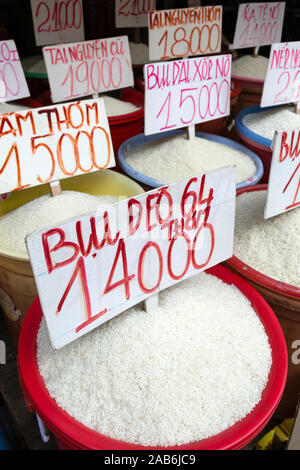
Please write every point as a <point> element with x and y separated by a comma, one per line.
<point>73,435</point>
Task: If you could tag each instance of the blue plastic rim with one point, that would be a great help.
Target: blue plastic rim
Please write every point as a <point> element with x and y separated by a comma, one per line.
<point>153,183</point>
<point>245,131</point>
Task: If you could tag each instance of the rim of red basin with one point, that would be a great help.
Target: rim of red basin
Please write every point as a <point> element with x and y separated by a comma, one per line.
<point>79,436</point>
<point>252,274</point>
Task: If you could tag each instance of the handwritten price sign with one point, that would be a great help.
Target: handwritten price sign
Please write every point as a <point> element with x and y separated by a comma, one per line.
<point>184,32</point>
<point>12,79</point>
<point>284,181</point>
<point>258,24</point>
<point>186,92</point>
<point>89,67</point>
<point>133,13</point>
<point>51,143</point>
<point>93,267</point>
<point>282,82</point>
<point>57,21</point>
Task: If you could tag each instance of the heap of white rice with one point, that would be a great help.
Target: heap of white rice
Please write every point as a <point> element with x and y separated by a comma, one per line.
<point>42,212</point>
<point>183,372</point>
<point>271,246</point>
<point>115,107</point>
<point>6,108</point>
<point>171,159</point>
<point>139,53</point>
<point>251,67</point>
<point>266,123</point>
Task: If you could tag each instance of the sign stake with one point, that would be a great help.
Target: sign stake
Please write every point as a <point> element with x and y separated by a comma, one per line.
<point>255,51</point>
<point>55,188</point>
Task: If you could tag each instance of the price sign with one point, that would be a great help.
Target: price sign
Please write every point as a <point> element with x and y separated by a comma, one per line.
<point>13,84</point>
<point>184,32</point>
<point>51,143</point>
<point>258,24</point>
<point>57,21</point>
<point>89,67</point>
<point>284,180</point>
<point>282,82</point>
<point>133,13</point>
<point>93,267</point>
<point>185,92</point>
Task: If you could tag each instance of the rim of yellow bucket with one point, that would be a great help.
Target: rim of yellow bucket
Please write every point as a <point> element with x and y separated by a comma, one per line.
<point>88,183</point>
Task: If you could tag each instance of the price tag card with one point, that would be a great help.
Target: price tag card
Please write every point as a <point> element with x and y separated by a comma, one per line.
<point>258,24</point>
<point>284,180</point>
<point>184,32</point>
<point>51,143</point>
<point>57,21</point>
<point>133,13</point>
<point>282,82</point>
<point>93,267</point>
<point>185,92</point>
<point>13,83</point>
<point>89,67</point>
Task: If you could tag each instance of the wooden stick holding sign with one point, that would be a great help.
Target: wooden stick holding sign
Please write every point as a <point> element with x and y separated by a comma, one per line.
<point>55,188</point>
<point>130,261</point>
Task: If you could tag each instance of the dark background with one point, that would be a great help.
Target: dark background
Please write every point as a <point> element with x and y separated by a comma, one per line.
<point>16,21</point>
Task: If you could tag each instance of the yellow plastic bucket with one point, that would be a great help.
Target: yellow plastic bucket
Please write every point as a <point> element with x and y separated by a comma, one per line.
<point>17,286</point>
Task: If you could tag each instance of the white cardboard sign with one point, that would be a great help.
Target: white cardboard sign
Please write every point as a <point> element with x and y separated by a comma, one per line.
<point>284,180</point>
<point>282,82</point>
<point>85,68</point>
<point>133,13</point>
<point>258,24</point>
<point>185,92</point>
<point>47,144</point>
<point>13,84</point>
<point>57,21</point>
<point>93,267</point>
<point>184,32</point>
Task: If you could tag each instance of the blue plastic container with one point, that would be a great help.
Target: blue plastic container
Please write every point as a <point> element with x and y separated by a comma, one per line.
<point>153,183</point>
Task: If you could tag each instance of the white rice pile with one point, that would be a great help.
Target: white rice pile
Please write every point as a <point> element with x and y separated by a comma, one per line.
<point>252,67</point>
<point>42,212</point>
<point>270,246</point>
<point>6,108</point>
<point>186,371</point>
<point>171,159</point>
<point>139,53</point>
<point>116,107</point>
<point>267,122</point>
